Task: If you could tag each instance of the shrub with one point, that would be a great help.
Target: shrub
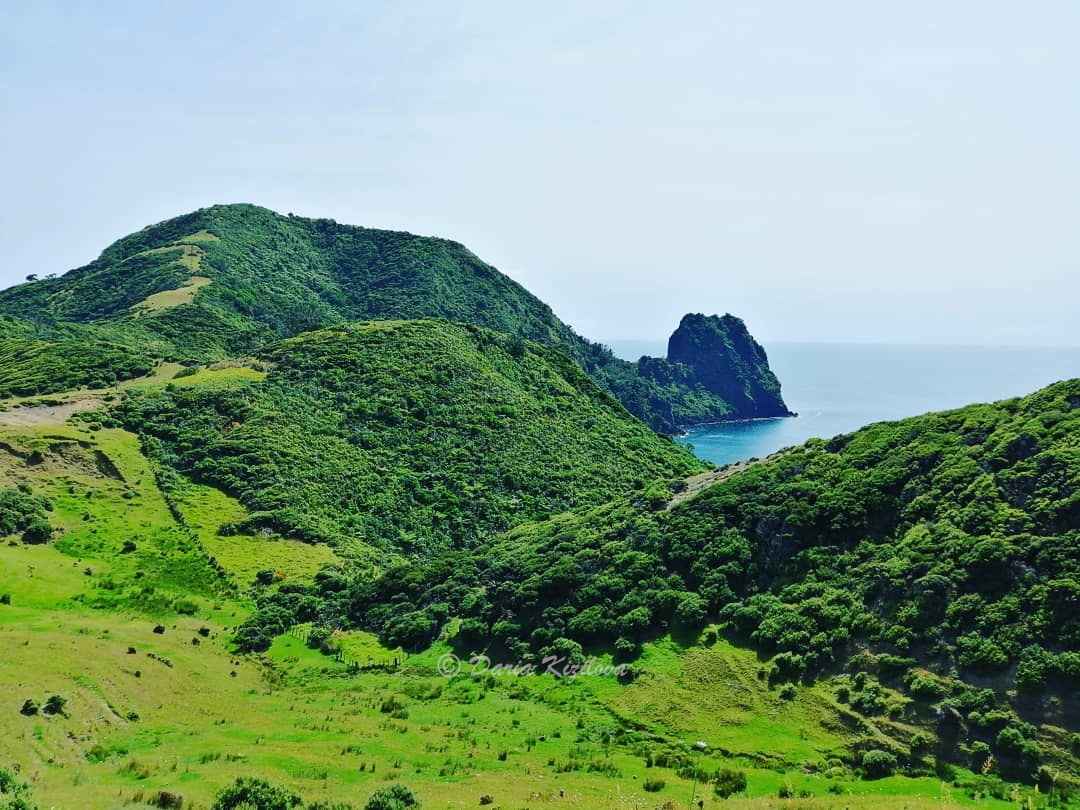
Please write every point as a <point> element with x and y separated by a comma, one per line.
<point>869,701</point>
<point>319,638</point>
<point>787,692</point>
<point>395,797</point>
<point>923,687</point>
<point>254,794</point>
<point>654,785</point>
<point>55,705</point>
<point>980,753</point>
<point>978,653</point>
<point>168,801</point>
<point>1011,741</point>
<point>39,531</point>
<point>29,707</point>
<point>1031,673</point>
<point>877,764</point>
<point>8,782</point>
<point>14,795</point>
<point>728,782</point>
<point>1045,778</point>
<point>265,577</point>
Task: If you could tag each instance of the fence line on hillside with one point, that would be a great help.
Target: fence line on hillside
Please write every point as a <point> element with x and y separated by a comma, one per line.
<point>352,663</point>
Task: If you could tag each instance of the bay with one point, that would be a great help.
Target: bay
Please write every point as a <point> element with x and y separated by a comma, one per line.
<point>837,388</point>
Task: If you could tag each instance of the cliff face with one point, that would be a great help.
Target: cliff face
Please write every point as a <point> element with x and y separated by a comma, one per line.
<point>723,358</point>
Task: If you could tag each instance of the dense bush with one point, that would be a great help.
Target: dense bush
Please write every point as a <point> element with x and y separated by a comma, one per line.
<point>351,438</point>
<point>14,794</point>
<point>255,794</point>
<point>275,613</point>
<point>728,782</point>
<point>877,764</point>
<point>394,797</point>
<point>24,514</point>
<point>29,367</point>
<point>952,537</point>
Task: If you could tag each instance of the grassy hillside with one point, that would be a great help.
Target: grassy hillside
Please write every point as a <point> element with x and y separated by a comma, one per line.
<point>240,536</point>
<point>408,437</point>
<point>226,280</point>
<point>29,367</point>
<point>118,633</point>
<point>934,563</point>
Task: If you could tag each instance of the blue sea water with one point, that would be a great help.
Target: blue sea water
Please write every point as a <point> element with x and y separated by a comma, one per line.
<point>837,388</point>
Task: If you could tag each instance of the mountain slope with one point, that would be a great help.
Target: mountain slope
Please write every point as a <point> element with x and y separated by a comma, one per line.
<point>224,281</point>
<point>129,612</point>
<point>941,554</point>
<point>408,436</point>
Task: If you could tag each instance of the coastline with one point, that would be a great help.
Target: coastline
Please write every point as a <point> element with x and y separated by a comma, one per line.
<point>685,430</point>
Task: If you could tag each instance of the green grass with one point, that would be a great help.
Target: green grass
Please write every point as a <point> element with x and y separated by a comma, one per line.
<point>184,294</point>
<point>207,509</point>
<point>297,719</point>
<point>295,716</point>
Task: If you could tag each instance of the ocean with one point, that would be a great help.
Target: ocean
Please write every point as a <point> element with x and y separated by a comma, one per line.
<point>836,388</point>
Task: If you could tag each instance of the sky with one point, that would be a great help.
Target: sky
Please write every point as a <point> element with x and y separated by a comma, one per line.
<point>828,171</point>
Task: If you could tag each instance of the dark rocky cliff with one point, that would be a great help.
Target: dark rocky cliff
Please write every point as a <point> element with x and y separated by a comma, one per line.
<point>724,359</point>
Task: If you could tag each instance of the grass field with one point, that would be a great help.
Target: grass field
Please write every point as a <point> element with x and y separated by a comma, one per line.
<point>176,710</point>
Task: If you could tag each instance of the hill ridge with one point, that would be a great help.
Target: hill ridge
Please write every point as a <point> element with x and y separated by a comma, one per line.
<point>273,276</point>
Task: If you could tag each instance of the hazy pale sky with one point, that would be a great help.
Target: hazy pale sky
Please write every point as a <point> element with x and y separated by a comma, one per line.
<point>853,171</point>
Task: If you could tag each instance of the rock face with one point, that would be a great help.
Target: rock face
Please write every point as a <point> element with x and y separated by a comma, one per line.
<point>724,359</point>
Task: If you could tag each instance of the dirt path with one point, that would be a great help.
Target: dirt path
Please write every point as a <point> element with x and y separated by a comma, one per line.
<point>702,481</point>
<point>31,415</point>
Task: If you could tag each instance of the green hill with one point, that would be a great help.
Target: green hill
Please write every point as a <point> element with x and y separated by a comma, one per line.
<point>932,563</point>
<point>406,436</point>
<point>226,280</point>
<point>125,590</point>
<point>284,467</point>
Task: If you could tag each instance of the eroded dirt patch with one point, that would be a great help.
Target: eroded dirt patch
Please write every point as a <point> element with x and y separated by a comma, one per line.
<point>34,415</point>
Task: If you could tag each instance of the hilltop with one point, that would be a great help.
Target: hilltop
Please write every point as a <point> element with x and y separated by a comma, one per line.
<point>226,280</point>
